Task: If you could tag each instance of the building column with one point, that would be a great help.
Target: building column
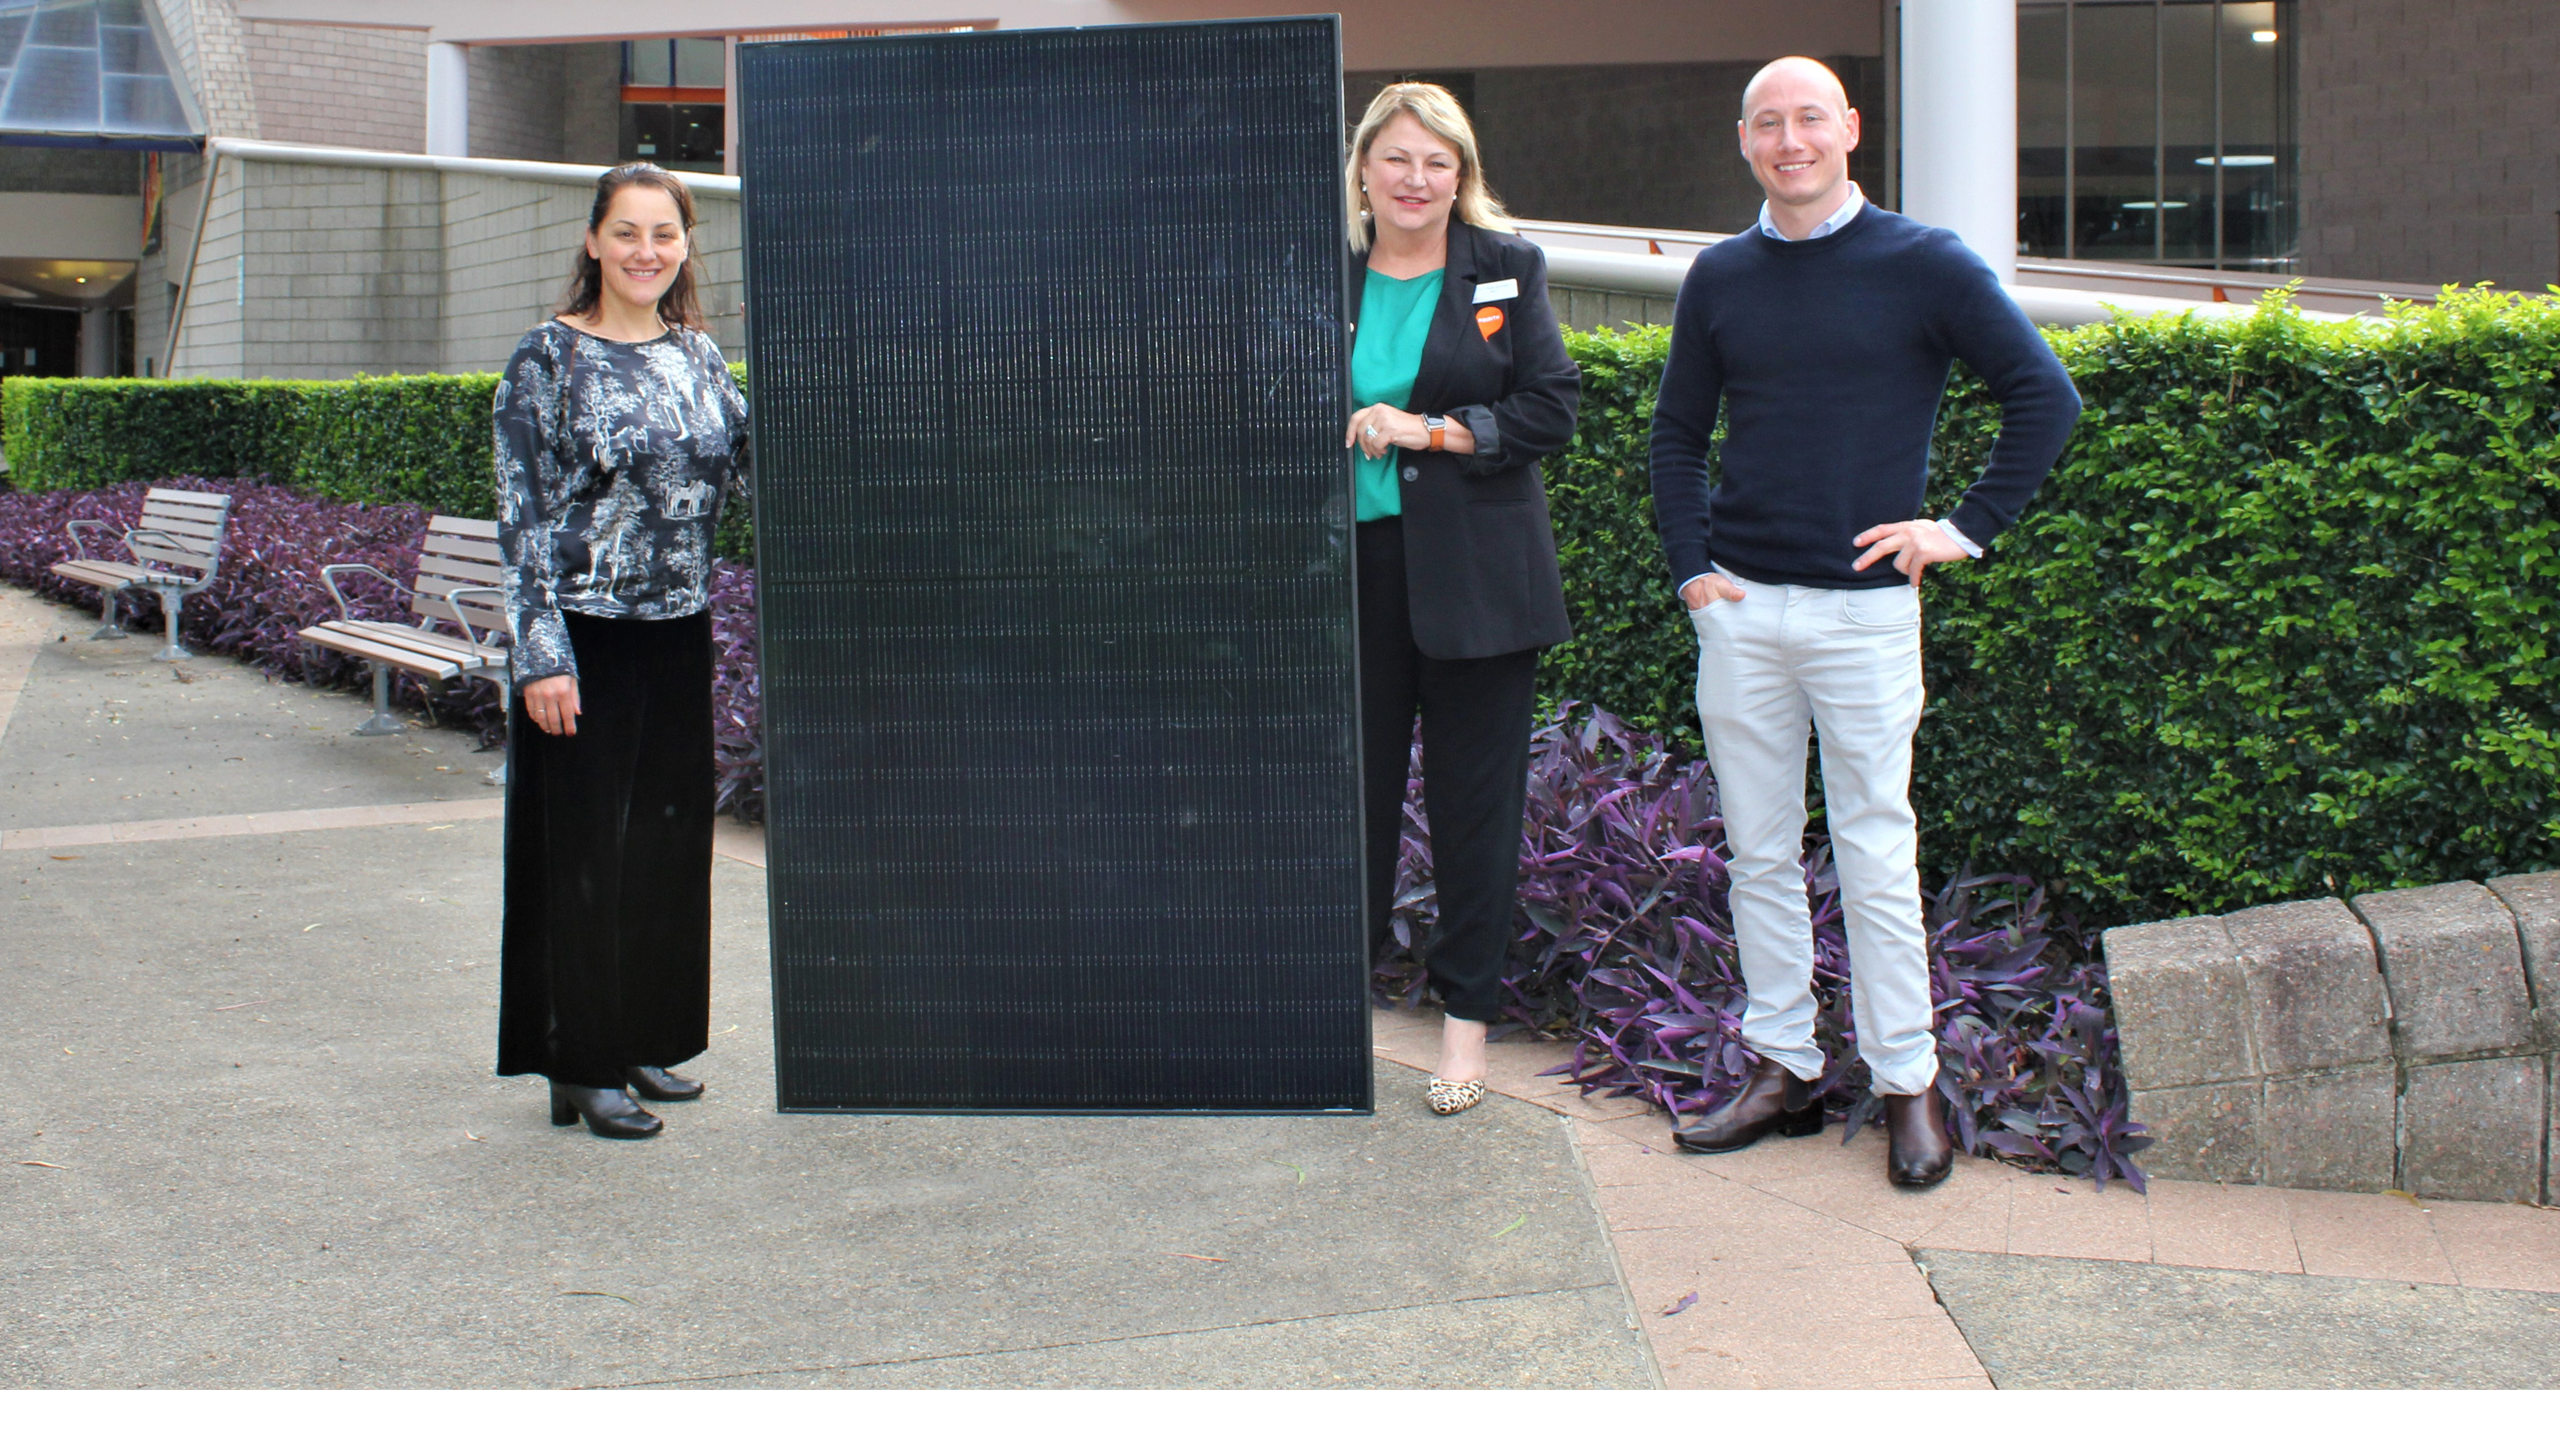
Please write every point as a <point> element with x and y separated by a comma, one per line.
<point>448,99</point>
<point>1958,120</point>
<point>98,342</point>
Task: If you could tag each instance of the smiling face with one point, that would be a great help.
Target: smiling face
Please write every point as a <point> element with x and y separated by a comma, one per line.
<point>1411,175</point>
<point>1797,130</point>
<point>640,246</point>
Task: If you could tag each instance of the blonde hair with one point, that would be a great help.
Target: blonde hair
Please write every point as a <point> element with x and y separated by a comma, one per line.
<point>1437,110</point>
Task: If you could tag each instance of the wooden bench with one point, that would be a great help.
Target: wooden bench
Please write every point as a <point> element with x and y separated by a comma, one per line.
<point>459,571</point>
<point>176,550</point>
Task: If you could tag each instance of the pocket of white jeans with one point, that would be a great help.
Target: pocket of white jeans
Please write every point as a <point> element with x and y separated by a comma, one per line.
<point>1701,616</point>
<point>1882,608</point>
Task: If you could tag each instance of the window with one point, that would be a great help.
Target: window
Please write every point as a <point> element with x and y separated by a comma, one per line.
<point>2157,131</point>
<point>673,97</point>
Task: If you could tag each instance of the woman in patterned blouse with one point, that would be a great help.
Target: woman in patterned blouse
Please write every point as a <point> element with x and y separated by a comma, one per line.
<point>619,429</point>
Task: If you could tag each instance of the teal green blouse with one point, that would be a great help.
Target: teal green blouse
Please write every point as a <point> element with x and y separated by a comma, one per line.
<point>1386,355</point>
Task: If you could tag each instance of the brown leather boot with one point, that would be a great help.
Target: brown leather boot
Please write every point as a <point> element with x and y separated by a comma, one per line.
<point>1921,1152</point>
<point>1775,1100</point>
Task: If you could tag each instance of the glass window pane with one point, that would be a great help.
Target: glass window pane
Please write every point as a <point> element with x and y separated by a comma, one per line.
<point>52,88</point>
<point>2186,75</point>
<point>644,132</point>
<point>648,62</point>
<point>2257,136</point>
<point>2115,117</point>
<point>2043,97</point>
<point>699,138</point>
<point>702,64</point>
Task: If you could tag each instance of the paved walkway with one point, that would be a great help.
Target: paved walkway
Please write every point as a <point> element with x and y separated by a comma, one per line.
<point>251,1140</point>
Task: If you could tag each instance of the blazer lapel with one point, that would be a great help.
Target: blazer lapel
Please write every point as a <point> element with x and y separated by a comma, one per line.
<point>1450,321</point>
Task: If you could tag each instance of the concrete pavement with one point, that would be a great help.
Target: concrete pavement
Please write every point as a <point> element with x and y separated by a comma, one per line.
<point>249,1137</point>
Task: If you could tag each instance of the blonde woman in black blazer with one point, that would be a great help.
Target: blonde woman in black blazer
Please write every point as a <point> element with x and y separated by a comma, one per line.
<point>1457,389</point>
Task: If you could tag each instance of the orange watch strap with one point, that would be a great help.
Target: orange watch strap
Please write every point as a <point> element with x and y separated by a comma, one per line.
<point>1439,433</point>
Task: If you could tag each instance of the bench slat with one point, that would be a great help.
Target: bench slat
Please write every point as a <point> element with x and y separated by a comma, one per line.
<point>468,548</point>
<point>405,646</point>
<point>464,526</point>
<point>202,531</point>
<point>102,574</point>
<point>472,572</point>
<point>434,644</point>
<point>174,494</point>
<point>394,656</point>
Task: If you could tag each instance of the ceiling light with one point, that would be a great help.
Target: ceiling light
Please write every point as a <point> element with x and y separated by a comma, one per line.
<point>79,280</point>
<point>2240,161</point>
<point>2148,204</point>
<point>2264,37</point>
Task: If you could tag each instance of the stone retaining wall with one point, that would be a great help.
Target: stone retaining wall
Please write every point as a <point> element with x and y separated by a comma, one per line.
<point>2408,1040</point>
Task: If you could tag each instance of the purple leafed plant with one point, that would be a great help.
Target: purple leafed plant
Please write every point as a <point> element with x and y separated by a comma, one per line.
<point>1625,949</point>
<point>269,588</point>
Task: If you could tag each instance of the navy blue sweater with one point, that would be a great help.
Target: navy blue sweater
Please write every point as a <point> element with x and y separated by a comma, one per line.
<point>1830,356</point>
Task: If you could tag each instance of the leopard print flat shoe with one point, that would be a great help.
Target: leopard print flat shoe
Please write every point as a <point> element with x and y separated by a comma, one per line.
<point>1451,1098</point>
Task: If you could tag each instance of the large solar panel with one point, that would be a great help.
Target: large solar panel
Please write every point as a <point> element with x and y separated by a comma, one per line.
<point>1053,519</point>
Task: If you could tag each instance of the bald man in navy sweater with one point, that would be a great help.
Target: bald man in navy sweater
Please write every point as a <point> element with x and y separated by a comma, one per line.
<point>1826,333</point>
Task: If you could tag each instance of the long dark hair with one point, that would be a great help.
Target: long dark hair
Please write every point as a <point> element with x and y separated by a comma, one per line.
<point>677,307</point>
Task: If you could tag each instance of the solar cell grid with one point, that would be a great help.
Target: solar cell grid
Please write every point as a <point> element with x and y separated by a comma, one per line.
<point>1046,330</point>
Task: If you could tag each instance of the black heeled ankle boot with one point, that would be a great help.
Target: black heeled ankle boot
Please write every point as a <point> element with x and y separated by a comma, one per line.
<point>661,1085</point>
<point>609,1111</point>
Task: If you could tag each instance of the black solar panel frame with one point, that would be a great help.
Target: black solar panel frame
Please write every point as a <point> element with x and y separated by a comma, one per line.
<point>912,1019</point>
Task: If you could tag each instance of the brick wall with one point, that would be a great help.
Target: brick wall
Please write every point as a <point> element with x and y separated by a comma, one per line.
<point>328,270</point>
<point>213,49</point>
<point>340,85</point>
<point>515,101</point>
<point>2431,141</point>
<point>591,104</point>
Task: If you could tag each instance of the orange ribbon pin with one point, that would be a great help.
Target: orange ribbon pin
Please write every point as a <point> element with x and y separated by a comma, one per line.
<point>1488,322</point>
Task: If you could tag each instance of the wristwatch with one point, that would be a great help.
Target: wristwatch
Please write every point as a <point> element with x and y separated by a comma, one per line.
<point>1439,429</point>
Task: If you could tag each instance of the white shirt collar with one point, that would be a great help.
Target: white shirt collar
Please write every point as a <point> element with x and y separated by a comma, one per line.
<point>1839,217</point>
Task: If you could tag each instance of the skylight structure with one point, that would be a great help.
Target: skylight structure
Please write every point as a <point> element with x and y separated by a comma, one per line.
<point>91,73</point>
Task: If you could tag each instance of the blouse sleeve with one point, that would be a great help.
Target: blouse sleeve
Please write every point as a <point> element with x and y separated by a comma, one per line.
<point>531,416</point>
<point>742,471</point>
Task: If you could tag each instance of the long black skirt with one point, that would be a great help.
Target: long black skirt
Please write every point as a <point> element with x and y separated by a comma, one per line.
<point>606,960</point>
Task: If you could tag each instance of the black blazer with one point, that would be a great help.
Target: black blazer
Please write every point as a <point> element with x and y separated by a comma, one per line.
<point>1480,557</point>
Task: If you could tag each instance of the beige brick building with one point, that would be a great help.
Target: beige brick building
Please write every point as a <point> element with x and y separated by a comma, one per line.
<point>2385,141</point>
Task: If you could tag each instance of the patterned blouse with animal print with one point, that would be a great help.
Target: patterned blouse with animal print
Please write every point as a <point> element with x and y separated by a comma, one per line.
<point>612,461</point>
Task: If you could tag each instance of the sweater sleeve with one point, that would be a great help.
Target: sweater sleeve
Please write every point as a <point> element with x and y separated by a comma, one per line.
<point>530,408</point>
<point>1684,425</point>
<point>1535,417</point>
<point>1988,332</point>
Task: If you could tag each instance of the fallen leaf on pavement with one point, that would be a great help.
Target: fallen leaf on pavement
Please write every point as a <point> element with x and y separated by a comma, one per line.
<point>236,1007</point>
<point>57,1166</point>
<point>474,1136</point>
<point>607,1294</point>
<point>1195,1256</point>
<point>1516,1223</point>
<point>1684,1303</point>
<point>66,856</point>
<point>1292,1166</point>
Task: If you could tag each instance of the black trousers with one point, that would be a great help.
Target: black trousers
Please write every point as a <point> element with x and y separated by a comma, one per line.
<point>1476,717</point>
<point>606,960</point>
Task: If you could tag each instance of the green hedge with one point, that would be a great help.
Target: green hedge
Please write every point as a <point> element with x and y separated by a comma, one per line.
<point>422,439</point>
<point>2280,624</point>
<point>416,439</point>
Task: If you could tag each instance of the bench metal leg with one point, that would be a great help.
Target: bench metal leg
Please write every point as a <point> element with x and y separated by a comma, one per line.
<point>110,627</point>
<point>171,603</point>
<point>382,721</point>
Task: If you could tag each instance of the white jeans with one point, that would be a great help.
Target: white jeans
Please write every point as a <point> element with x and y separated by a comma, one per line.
<point>1782,663</point>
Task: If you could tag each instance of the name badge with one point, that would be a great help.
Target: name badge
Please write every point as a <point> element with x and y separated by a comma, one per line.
<point>1495,292</point>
